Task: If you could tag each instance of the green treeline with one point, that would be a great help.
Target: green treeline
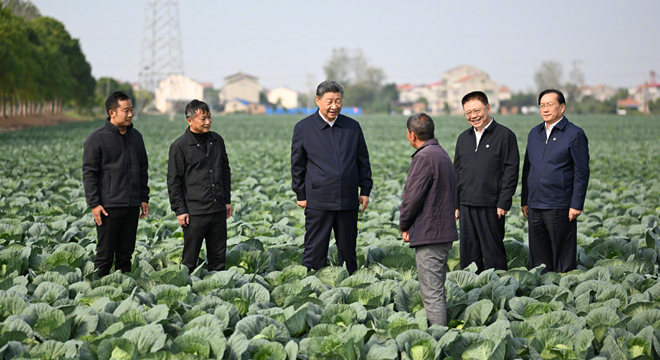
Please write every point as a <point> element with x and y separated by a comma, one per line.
<point>41,67</point>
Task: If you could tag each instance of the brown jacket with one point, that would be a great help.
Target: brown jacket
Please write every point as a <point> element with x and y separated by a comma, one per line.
<point>427,203</point>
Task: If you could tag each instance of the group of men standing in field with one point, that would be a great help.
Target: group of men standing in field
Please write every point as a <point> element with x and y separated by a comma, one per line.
<point>331,177</point>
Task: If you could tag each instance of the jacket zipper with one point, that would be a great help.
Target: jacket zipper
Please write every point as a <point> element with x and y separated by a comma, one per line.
<point>334,144</point>
<point>128,172</point>
<point>538,181</point>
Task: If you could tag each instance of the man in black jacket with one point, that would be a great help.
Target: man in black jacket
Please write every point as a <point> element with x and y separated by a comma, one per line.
<point>115,175</point>
<point>486,162</point>
<point>329,161</point>
<point>199,184</point>
<point>427,214</point>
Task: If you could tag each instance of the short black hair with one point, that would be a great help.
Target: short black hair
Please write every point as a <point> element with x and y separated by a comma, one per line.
<point>422,125</point>
<point>329,86</point>
<point>112,102</point>
<point>193,106</point>
<point>478,95</point>
<point>560,95</point>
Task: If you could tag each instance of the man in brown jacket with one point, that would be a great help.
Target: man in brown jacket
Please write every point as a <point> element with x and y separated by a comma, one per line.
<point>427,214</point>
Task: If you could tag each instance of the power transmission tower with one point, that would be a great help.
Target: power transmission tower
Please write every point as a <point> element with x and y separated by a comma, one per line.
<point>161,54</point>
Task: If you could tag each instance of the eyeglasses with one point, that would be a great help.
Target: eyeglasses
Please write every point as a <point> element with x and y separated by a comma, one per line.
<point>548,105</point>
<point>475,112</point>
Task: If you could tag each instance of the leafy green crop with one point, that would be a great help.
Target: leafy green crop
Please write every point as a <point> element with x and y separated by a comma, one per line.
<point>266,305</point>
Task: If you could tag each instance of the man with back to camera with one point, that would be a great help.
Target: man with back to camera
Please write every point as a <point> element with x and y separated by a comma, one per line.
<point>554,185</point>
<point>427,214</point>
<point>329,161</point>
<point>199,185</point>
<point>115,175</point>
<point>486,162</point>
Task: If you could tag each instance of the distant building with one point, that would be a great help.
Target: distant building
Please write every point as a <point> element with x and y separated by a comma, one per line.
<point>243,106</point>
<point>175,91</point>
<point>464,79</point>
<point>207,85</point>
<point>505,93</point>
<point>448,92</point>
<point>432,93</point>
<point>649,91</point>
<point>240,86</point>
<point>283,97</point>
<point>600,92</point>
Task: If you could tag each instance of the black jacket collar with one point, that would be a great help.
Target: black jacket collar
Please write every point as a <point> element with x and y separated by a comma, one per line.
<point>339,121</point>
<point>491,127</point>
<point>113,128</point>
<point>427,143</point>
<point>193,141</point>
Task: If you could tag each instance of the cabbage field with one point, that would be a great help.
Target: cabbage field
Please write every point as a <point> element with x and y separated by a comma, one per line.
<point>266,306</point>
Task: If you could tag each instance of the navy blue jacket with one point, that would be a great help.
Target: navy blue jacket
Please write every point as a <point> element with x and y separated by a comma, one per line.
<point>115,167</point>
<point>556,173</point>
<point>328,163</point>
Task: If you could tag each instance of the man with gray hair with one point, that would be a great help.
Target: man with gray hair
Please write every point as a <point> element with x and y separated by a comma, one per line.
<point>427,214</point>
<point>199,184</point>
<point>329,161</point>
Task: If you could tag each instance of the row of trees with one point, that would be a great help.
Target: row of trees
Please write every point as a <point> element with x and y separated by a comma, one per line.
<point>364,83</point>
<point>42,68</point>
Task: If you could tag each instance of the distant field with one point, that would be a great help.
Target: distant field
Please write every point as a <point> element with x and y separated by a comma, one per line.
<point>267,304</point>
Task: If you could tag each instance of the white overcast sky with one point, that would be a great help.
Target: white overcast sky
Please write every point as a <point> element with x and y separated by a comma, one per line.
<point>413,41</point>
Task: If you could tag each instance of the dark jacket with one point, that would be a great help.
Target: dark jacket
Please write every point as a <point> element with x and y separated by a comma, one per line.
<point>487,176</point>
<point>427,203</point>
<point>328,163</point>
<point>198,181</point>
<point>556,173</point>
<point>115,167</point>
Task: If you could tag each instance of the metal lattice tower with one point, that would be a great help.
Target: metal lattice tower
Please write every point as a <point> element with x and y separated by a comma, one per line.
<point>161,54</point>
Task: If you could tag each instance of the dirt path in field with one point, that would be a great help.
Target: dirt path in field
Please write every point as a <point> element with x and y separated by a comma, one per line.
<point>22,122</point>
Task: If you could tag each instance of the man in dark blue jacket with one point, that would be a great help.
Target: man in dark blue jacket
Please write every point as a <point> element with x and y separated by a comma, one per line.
<point>115,175</point>
<point>329,161</point>
<point>554,185</point>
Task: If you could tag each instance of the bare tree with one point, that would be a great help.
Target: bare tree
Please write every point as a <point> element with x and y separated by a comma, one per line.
<point>23,8</point>
<point>549,75</point>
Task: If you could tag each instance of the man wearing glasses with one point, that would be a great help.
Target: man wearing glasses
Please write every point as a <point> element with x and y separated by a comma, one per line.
<point>486,163</point>
<point>554,185</point>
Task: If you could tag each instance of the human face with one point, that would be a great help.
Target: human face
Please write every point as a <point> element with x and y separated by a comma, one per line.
<point>477,114</point>
<point>551,110</point>
<point>201,123</point>
<point>329,105</point>
<point>123,115</point>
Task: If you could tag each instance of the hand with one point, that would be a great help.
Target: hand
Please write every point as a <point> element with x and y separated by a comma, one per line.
<point>97,211</point>
<point>230,210</point>
<point>302,203</point>
<point>456,216</point>
<point>406,236</point>
<point>524,209</point>
<point>573,214</point>
<point>502,212</point>
<point>184,220</point>
<point>145,209</point>
<point>364,200</point>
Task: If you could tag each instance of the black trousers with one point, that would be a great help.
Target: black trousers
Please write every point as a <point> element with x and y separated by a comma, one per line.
<point>116,239</point>
<point>318,225</point>
<point>552,240</point>
<point>213,228</point>
<point>482,238</point>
